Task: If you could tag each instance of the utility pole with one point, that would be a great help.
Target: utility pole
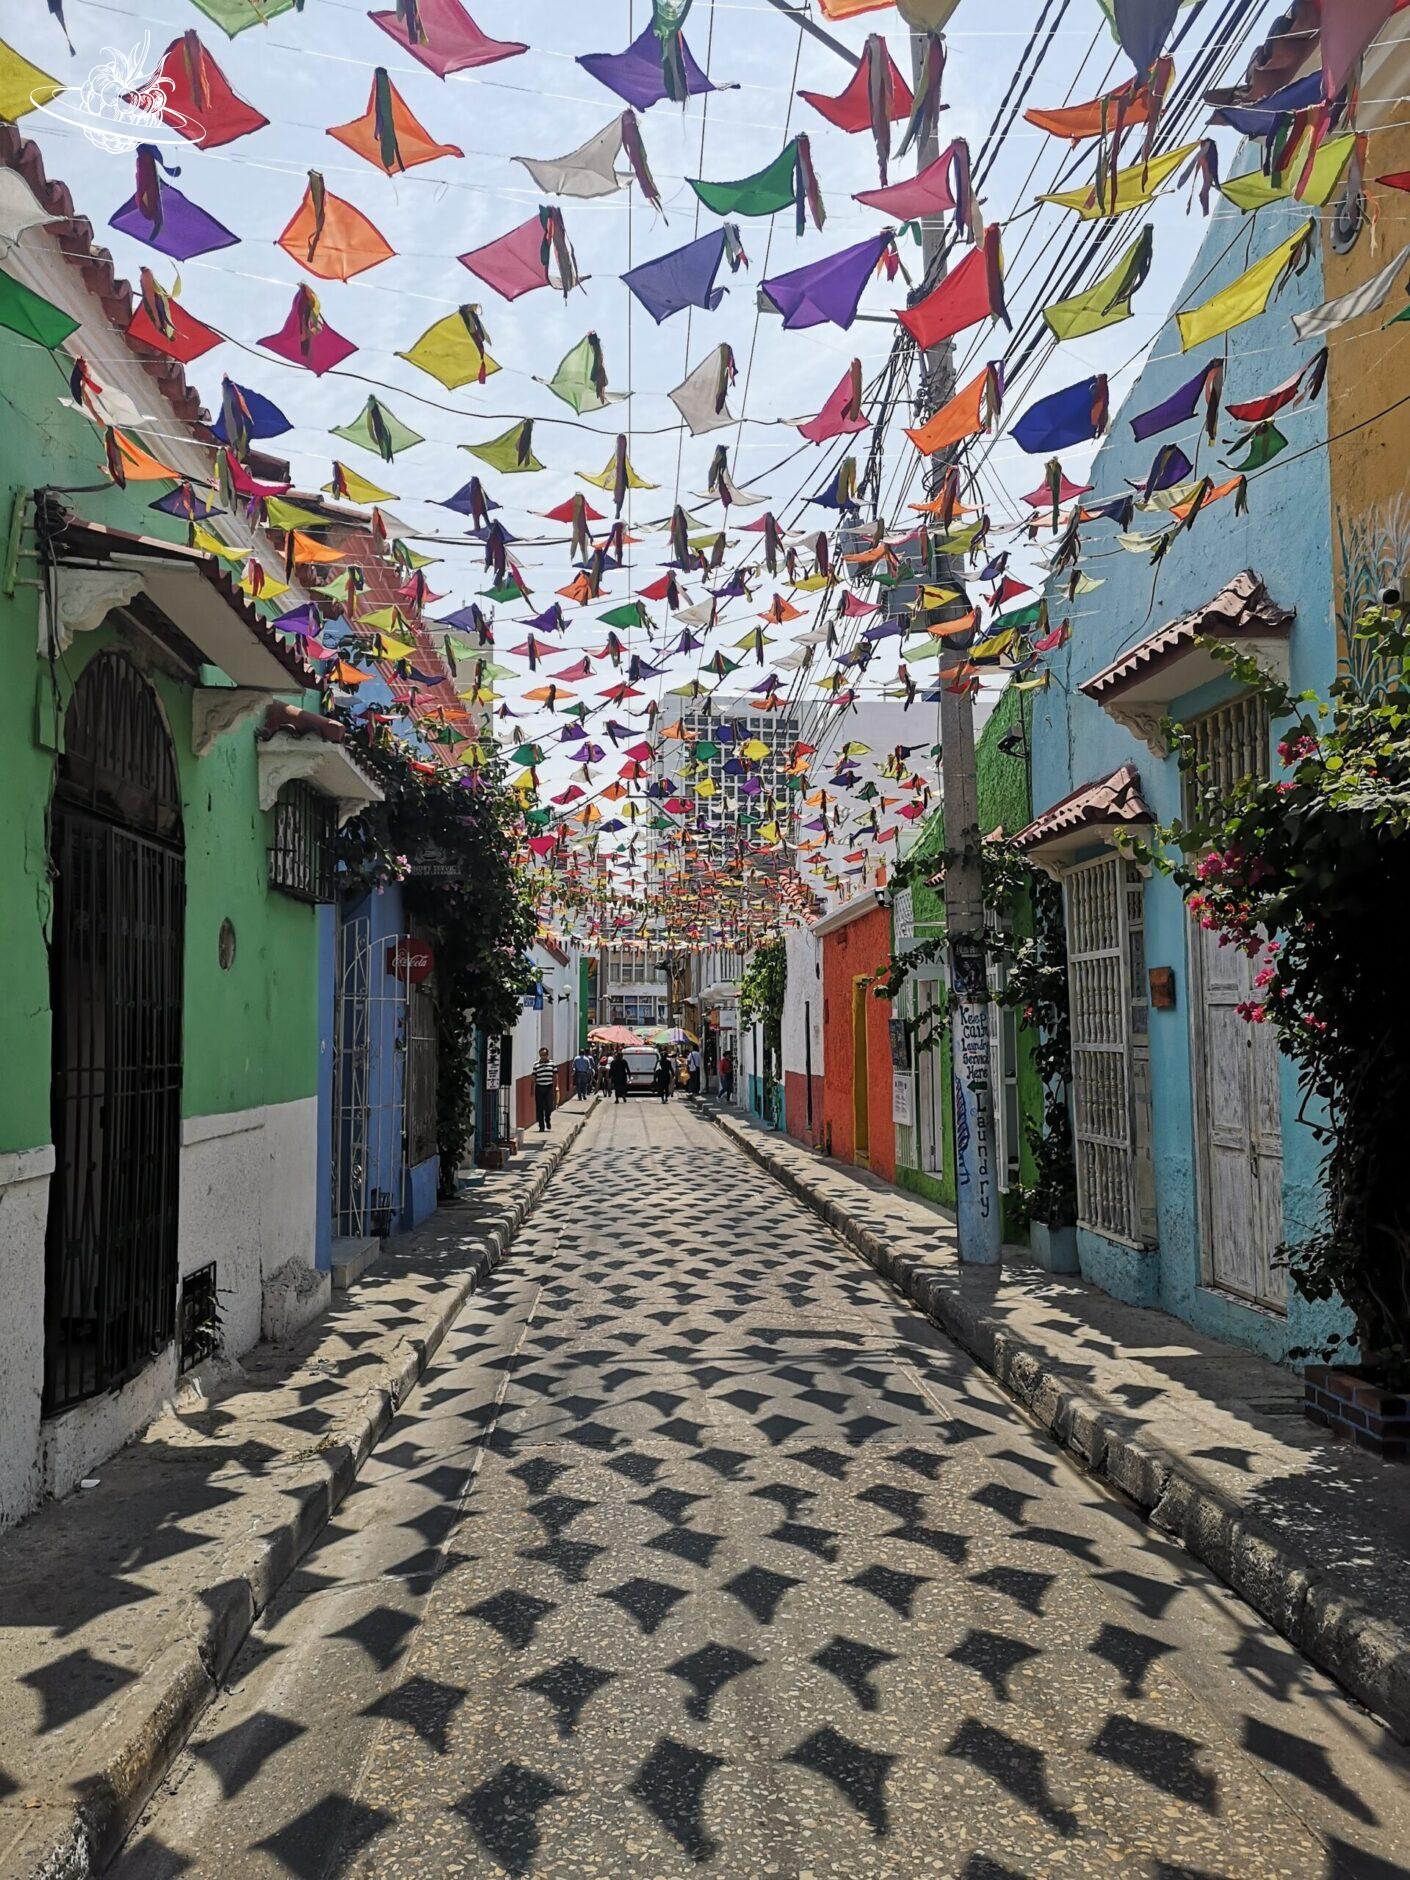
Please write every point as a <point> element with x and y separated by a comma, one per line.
<point>976,1175</point>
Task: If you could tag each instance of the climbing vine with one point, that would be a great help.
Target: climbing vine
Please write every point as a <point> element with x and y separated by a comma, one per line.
<point>1033,982</point>
<point>762,989</point>
<point>454,848</point>
<point>1308,873</point>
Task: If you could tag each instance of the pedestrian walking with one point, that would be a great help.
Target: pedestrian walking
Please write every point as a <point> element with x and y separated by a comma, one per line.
<point>582,1074</point>
<point>617,1076</point>
<point>545,1085</point>
<point>665,1075</point>
<point>692,1070</point>
<point>727,1075</point>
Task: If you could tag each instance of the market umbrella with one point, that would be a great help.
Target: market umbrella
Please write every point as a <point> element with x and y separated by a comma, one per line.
<point>672,1034</point>
<point>614,1034</point>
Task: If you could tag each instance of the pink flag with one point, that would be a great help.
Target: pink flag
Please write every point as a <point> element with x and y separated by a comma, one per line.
<point>928,193</point>
<point>445,38</point>
<point>514,264</point>
<point>841,416</point>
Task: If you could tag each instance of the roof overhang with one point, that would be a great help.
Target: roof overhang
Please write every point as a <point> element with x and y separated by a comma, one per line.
<point>1138,689</point>
<point>849,911</point>
<point>99,568</point>
<point>1091,817</point>
<point>327,767</point>
<point>723,992</point>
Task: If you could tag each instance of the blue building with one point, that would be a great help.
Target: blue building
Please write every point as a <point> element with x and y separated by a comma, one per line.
<point>1193,1163</point>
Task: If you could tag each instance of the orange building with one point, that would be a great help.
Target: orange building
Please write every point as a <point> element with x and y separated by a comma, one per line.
<point>857,1074</point>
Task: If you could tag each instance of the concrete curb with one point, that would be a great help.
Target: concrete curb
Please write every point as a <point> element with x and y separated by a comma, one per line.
<point>1367,1655</point>
<point>143,1733</point>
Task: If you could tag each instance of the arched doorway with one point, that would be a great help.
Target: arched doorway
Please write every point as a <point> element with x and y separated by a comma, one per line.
<point>115,976</point>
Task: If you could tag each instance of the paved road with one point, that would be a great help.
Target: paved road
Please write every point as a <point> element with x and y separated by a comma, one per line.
<point>699,1551</point>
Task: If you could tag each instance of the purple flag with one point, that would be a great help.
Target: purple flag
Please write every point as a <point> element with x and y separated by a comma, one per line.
<point>636,74</point>
<point>829,289</point>
<point>551,620</point>
<point>683,278</point>
<point>181,230</point>
<point>462,501</point>
<point>1171,467</point>
<point>1179,408</point>
<point>301,620</point>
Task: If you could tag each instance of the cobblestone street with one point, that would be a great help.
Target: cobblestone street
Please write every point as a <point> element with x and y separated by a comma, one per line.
<point>699,1550</point>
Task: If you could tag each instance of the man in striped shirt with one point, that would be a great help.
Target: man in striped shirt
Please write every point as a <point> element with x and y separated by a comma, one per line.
<point>545,1083</point>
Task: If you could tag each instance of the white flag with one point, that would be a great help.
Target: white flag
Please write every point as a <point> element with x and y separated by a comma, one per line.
<point>1364,299</point>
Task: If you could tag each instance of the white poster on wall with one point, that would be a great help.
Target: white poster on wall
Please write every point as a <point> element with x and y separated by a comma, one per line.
<point>903,1098</point>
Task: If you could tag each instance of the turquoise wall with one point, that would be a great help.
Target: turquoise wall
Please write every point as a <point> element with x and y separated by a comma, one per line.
<point>1285,538</point>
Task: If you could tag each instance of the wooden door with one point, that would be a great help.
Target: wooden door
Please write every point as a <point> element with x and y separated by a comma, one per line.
<point>1239,1117</point>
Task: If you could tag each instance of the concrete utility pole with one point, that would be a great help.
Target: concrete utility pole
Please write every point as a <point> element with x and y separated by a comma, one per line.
<point>979,1224</point>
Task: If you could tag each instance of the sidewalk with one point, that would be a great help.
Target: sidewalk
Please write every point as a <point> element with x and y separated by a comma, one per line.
<point>1208,1440</point>
<point>124,1606</point>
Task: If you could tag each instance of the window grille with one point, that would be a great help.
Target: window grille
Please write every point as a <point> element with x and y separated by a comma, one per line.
<point>1110,1048</point>
<point>301,854</point>
<point>1231,743</point>
<point>200,1316</point>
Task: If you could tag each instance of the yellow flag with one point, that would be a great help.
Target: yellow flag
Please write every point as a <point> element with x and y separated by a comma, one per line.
<point>212,545</point>
<point>1254,190</point>
<point>1244,299</point>
<point>1133,188</point>
<point>447,352</point>
<point>22,85</point>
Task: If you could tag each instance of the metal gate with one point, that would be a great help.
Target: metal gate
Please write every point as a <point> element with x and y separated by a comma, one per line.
<point>116,972</point>
<point>373,1068</point>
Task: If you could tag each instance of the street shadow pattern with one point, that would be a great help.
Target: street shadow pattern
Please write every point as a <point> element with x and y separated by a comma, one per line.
<point>757,1574</point>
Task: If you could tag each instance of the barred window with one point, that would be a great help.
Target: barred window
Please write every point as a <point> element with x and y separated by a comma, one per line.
<point>1110,1049</point>
<point>1231,743</point>
<point>301,854</point>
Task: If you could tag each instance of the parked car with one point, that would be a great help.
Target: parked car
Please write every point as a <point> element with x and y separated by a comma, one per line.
<point>641,1070</point>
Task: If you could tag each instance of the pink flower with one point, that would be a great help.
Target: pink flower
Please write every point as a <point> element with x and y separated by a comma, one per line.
<point>1255,1014</point>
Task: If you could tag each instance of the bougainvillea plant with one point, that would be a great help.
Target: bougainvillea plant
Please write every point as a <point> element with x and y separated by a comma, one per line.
<point>453,843</point>
<point>1308,871</point>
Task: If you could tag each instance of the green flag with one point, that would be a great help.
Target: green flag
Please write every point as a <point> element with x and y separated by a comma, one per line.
<point>1109,301</point>
<point>512,452</point>
<point>630,614</point>
<point>26,313</point>
<point>766,193</point>
<point>1263,443</point>
<point>581,379</point>
<point>376,428</point>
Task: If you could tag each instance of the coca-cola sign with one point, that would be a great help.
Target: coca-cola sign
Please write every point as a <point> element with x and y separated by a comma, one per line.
<point>411,960</point>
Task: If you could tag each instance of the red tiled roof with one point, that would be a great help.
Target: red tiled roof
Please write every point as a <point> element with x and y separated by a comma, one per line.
<point>1244,610</point>
<point>293,721</point>
<point>1115,801</point>
<point>100,275</point>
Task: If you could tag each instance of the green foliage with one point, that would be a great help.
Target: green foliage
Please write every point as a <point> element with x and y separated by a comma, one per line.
<point>1033,976</point>
<point>762,989</point>
<point>454,849</point>
<point>1309,874</point>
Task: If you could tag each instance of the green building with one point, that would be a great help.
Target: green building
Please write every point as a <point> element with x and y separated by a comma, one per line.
<point>925,1146</point>
<point>169,791</point>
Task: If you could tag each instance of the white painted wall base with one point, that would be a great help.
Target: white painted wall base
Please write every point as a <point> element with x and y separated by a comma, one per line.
<point>24,1208</point>
<point>247,1202</point>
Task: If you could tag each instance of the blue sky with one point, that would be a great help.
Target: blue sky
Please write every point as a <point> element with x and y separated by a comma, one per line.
<point>307,71</point>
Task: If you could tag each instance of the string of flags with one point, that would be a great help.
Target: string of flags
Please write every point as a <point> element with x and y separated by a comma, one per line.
<point>670,798</point>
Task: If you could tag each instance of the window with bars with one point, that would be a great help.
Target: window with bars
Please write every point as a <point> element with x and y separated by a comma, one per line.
<point>301,854</point>
<point>1105,903</point>
<point>1231,742</point>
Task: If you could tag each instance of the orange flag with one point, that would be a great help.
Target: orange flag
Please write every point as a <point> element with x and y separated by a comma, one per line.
<point>137,465</point>
<point>330,238</point>
<point>409,143</point>
<point>968,413</point>
<point>306,549</point>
